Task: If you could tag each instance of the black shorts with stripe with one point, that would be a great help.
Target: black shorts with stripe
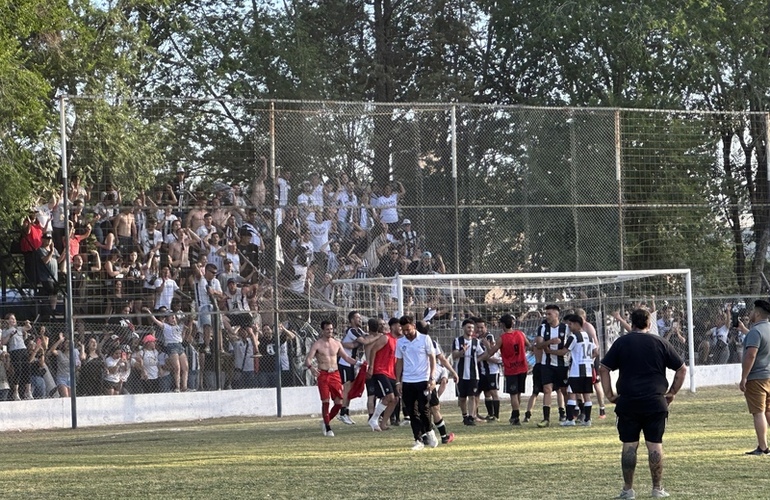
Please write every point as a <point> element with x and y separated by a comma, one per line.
<point>488,382</point>
<point>581,385</point>
<point>383,385</point>
<point>347,373</point>
<point>556,375</point>
<point>467,388</point>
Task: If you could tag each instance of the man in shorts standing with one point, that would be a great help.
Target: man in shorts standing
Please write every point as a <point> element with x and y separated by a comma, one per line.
<point>466,350</point>
<point>550,338</point>
<point>642,400</point>
<point>325,351</point>
<point>382,371</point>
<point>582,352</point>
<point>755,374</point>
<point>513,346</point>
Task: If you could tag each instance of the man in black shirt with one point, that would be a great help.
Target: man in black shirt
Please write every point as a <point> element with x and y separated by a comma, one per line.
<point>643,396</point>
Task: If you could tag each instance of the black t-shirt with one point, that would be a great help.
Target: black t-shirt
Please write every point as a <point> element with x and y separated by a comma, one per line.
<point>642,359</point>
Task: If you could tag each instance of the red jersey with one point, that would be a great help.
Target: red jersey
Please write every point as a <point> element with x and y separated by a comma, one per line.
<point>513,350</point>
<point>385,359</point>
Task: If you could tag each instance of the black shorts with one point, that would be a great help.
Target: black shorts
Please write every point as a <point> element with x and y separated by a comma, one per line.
<point>467,388</point>
<point>347,373</point>
<point>515,384</point>
<point>383,385</point>
<point>556,375</point>
<point>488,382</point>
<point>537,378</point>
<point>370,391</point>
<point>48,288</point>
<point>581,385</point>
<point>433,399</point>
<point>631,425</point>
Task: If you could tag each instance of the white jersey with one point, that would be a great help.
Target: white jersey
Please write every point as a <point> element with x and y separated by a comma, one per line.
<point>441,371</point>
<point>351,334</point>
<point>581,354</point>
<point>415,358</point>
<point>202,286</point>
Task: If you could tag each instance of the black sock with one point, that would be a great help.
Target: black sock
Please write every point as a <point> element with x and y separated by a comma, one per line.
<point>582,407</point>
<point>546,413</point>
<point>488,404</point>
<point>371,415</point>
<point>527,414</point>
<point>496,408</point>
<point>570,412</point>
<point>587,412</point>
<point>515,414</point>
<point>441,428</point>
<point>344,410</point>
<point>562,412</point>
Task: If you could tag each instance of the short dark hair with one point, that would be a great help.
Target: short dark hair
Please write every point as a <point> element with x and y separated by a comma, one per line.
<point>507,320</point>
<point>574,318</point>
<point>351,314</point>
<point>326,322</point>
<point>406,320</point>
<point>393,321</point>
<point>762,305</point>
<point>640,319</point>
<point>373,324</point>
<point>477,320</point>
<point>422,326</point>
<point>468,321</point>
<point>552,306</point>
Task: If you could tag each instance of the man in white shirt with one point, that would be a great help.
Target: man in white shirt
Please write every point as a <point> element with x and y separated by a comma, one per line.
<point>347,201</point>
<point>415,379</point>
<point>207,291</point>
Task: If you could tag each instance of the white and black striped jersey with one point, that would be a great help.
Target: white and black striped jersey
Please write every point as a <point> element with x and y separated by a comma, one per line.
<point>202,285</point>
<point>236,301</point>
<point>581,349</point>
<point>467,367</point>
<point>548,332</point>
<point>351,334</point>
<point>441,371</point>
<point>490,366</point>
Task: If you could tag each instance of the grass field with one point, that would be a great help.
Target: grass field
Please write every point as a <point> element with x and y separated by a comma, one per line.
<point>289,458</point>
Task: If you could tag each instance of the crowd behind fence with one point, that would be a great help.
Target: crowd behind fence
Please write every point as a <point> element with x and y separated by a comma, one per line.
<point>282,199</point>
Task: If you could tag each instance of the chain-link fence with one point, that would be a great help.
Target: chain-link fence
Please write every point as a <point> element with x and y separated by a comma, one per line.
<point>285,197</point>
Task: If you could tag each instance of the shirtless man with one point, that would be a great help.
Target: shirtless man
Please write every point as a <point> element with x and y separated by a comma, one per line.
<point>125,230</point>
<point>258,190</point>
<point>325,351</point>
<point>195,215</point>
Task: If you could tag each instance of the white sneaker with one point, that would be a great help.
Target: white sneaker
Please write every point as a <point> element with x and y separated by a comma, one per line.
<point>626,495</point>
<point>659,493</point>
<point>586,423</point>
<point>323,427</point>
<point>16,397</point>
<point>330,434</point>
<point>405,423</point>
<point>418,445</point>
<point>432,441</point>
<point>347,420</point>
<point>567,423</point>
<point>374,424</point>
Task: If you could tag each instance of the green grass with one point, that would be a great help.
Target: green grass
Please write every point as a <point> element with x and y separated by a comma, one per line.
<point>289,458</point>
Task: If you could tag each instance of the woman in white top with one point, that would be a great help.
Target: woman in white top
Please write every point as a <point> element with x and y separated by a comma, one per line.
<point>173,333</point>
<point>62,355</point>
<point>148,359</point>
<point>115,364</point>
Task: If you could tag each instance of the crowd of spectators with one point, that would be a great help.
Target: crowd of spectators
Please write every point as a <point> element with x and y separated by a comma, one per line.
<point>136,261</point>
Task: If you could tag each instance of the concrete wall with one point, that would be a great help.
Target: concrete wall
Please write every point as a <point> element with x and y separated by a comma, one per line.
<point>116,410</point>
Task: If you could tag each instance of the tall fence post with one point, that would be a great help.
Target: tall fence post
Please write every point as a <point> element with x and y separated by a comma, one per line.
<point>619,181</point>
<point>453,133</point>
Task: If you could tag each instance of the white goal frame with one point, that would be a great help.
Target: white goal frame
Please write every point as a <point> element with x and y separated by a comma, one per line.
<point>541,280</point>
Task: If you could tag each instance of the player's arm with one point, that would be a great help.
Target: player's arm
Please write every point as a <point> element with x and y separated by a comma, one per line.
<point>399,372</point>
<point>342,354</point>
<point>446,364</point>
<point>490,349</point>
<point>749,357</point>
<point>311,355</point>
<point>459,353</point>
<point>432,379</point>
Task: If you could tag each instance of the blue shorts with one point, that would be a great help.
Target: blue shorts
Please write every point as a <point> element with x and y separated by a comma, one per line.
<point>174,348</point>
<point>63,380</point>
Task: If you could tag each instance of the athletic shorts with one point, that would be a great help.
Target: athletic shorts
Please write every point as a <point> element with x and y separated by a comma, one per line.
<point>204,315</point>
<point>631,425</point>
<point>515,384</point>
<point>488,382</point>
<point>556,375</point>
<point>383,385</point>
<point>467,388</point>
<point>537,378</point>
<point>347,373</point>
<point>370,387</point>
<point>757,395</point>
<point>580,385</point>
<point>433,400</point>
<point>329,385</point>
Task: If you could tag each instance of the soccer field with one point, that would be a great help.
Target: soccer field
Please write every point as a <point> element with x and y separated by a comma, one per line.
<point>289,458</point>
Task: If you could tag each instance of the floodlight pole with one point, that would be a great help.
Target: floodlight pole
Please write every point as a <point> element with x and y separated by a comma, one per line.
<point>69,321</point>
<point>690,337</point>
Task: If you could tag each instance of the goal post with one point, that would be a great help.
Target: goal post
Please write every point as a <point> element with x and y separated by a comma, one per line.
<point>446,299</point>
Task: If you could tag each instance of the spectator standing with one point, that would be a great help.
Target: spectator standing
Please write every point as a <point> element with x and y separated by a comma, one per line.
<point>642,398</point>
<point>755,373</point>
<point>387,204</point>
<point>14,338</point>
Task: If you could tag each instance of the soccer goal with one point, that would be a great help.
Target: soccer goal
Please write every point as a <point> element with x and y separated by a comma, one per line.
<point>446,299</point>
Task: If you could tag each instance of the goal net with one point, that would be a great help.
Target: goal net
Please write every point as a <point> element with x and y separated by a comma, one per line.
<point>445,300</point>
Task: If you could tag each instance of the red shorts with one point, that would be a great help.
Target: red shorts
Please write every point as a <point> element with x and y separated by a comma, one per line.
<point>329,385</point>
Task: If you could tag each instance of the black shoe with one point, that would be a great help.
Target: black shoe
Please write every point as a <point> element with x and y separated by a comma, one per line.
<point>516,422</point>
<point>759,451</point>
